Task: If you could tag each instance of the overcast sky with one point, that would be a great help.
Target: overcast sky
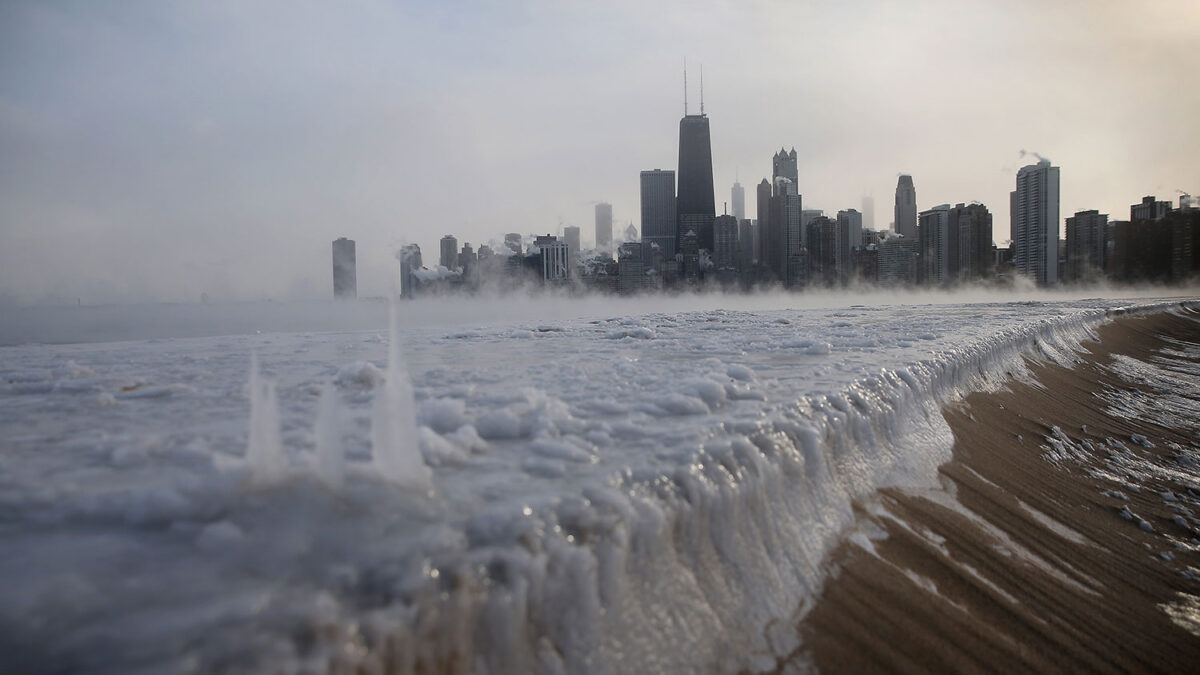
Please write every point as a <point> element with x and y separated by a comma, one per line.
<point>160,150</point>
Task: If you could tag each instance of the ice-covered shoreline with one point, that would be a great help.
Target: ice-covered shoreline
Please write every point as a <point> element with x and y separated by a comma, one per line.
<point>601,496</point>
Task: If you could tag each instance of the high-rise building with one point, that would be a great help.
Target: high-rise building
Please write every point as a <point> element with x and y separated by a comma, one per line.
<point>554,258</point>
<point>449,252</point>
<point>571,236</point>
<point>973,225</point>
<point>783,163</point>
<point>695,207</point>
<point>906,207</point>
<point>822,251</point>
<point>1087,233</point>
<point>725,243</point>
<point>604,231</point>
<point>765,242</point>
<point>868,212</point>
<point>1149,209</point>
<point>410,264</point>
<point>513,242</point>
<point>786,232</point>
<point>737,197</point>
<point>935,246</point>
<point>745,257</point>
<point>658,213</point>
<point>898,260</point>
<point>854,225</point>
<point>345,274</point>
<point>1033,215</point>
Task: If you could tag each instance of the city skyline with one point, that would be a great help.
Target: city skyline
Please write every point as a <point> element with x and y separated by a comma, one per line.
<point>157,152</point>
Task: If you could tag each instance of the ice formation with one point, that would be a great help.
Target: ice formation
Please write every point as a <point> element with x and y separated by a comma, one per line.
<point>659,490</point>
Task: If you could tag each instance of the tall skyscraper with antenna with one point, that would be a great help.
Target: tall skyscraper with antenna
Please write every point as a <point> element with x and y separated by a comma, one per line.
<point>696,208</point>
<point>738,200</point>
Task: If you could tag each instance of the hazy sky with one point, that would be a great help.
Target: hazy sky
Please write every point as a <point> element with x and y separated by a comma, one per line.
<point>158,150</point>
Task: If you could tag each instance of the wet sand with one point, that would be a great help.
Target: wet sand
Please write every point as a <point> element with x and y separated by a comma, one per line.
<point>1024,561</point>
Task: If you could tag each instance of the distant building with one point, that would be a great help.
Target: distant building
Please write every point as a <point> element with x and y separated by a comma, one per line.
<point>604,227</point>
<point>822,251</point>
<point>737,198</point>
<point>864,264</point>
<point>1149,209</point>
<point>762,253</point>
<point>689,249</point>
<point>658,211</point>
<point>786,232</point>
<point>554,253</point>
<point>571,236</point>
<point>745,257</point>
<point>1087,236</point>
<point>851,221</point>
<point>467,259</point>
<point>898,260</point>
<point>410,264</point>
<point>345,275</point>
<point>973,225</point>
<point>695,207</point>
<point>935,246</point>
<point>783,164</point>
<point>1033,214</point>
<point>906,207</point>
<point>725,244</point>
<point>514,243</point>
<point>631,272</point>
<point>449,252</point>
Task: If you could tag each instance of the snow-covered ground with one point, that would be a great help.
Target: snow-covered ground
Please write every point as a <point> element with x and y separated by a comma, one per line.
<point>658,489</point>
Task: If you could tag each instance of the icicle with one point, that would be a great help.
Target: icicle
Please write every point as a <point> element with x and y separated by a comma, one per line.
<point>396,450</point>
<point>264,448</point>
<point>331,460</point>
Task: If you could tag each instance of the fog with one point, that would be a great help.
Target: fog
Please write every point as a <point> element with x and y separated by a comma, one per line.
<point>157,151</point>
<point>158,321</point>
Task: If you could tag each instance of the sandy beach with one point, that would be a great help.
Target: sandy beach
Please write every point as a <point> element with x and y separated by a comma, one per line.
<point>1045,550</point>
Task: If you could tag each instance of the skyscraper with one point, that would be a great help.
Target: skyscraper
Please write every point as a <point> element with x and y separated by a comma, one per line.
<point>604,227</point>
<point>345,275</point>
<point>1086,237</point>
<point>906,207</point>
<point>658,213</point>
<point>695,207</point>
<point>853,222</point>
<point>1033,214</point>
<point>571,236</point>
<point>935,246</point>
<point>783,163</point>
<point>763,205</point>
<point>725,244</point>
<point>973,223</point>
<point>410,264</point>
<point>449,252</point>
<point>738,200</point>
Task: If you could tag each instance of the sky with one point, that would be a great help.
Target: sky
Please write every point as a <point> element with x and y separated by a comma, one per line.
<point>157,151</point>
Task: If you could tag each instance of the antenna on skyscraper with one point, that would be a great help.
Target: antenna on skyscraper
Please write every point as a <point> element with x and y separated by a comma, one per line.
<point>702,89</point>
<point>685,86</point>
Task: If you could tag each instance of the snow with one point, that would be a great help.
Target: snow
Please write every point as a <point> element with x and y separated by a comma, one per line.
<point>660,489</point>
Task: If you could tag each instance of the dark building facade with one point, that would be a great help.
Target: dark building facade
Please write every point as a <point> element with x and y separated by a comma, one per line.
<point>906,207</point>
<point>345,272</point>
<point>1087,235</point>
<point>658,213</point>
<point>695,206</point>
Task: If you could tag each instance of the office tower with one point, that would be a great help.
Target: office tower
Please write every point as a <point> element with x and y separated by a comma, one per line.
<point>571,236</point>
<point>1033,216</point>
<point>1086,237</point>
<point>783,164</point>
<point>906,207</point>
<point>604,230</point>
<point>1149,209</point>
<point>868,212</point>
<point>897,261</point>
<point>410,264</point>
<point>631,233</point>
<point>554,257</point>
<point>689,249</point>
<point>725,243</point>
<point>631,271</point>
<point>658,213</point>
<point>822,251</point>
<point>973,225</point>
<point>345,275</point>
<point>854,224</point>
<point>935,246</point>
<point>467,259</point>
<point>695,207</point>
<point>737,198</point>
<point>746,248</point>
<point>787,237</point>
<point>763,207</point>
<point>449,252</point>
<point>512,241</point>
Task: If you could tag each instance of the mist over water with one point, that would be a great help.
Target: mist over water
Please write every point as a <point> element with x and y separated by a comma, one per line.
<point>106,323</point>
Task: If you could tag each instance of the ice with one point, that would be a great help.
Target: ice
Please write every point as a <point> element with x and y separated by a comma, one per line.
<point>562,490</point>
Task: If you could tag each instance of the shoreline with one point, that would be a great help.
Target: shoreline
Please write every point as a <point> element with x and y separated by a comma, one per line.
<point>1021,562</point>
